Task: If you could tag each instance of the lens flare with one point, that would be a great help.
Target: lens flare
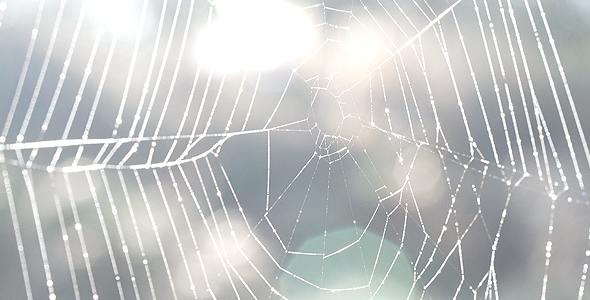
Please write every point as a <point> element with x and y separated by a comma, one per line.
<point>253,35</point>
<point>113,14</point>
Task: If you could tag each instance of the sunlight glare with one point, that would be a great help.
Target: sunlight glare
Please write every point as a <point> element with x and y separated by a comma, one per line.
<point>114,14</point>
<point>253,35</point>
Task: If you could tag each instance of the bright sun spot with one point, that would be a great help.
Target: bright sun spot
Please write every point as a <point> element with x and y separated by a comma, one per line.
<point>113,14</point>
<point>253,35</point>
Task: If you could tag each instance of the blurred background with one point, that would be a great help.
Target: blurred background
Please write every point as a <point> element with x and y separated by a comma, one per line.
<point>263,149</point>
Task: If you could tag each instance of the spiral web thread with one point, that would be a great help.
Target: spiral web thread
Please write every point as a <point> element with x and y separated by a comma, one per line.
<point>396,150</point>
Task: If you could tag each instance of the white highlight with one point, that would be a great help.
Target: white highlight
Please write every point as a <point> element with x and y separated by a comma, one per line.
<point>114,14</point>
<point>253,35</point>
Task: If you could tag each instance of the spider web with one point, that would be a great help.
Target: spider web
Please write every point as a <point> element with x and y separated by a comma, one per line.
<point>418,150</point>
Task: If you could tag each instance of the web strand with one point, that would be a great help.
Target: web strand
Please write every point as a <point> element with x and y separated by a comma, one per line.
<point>411,150</point>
